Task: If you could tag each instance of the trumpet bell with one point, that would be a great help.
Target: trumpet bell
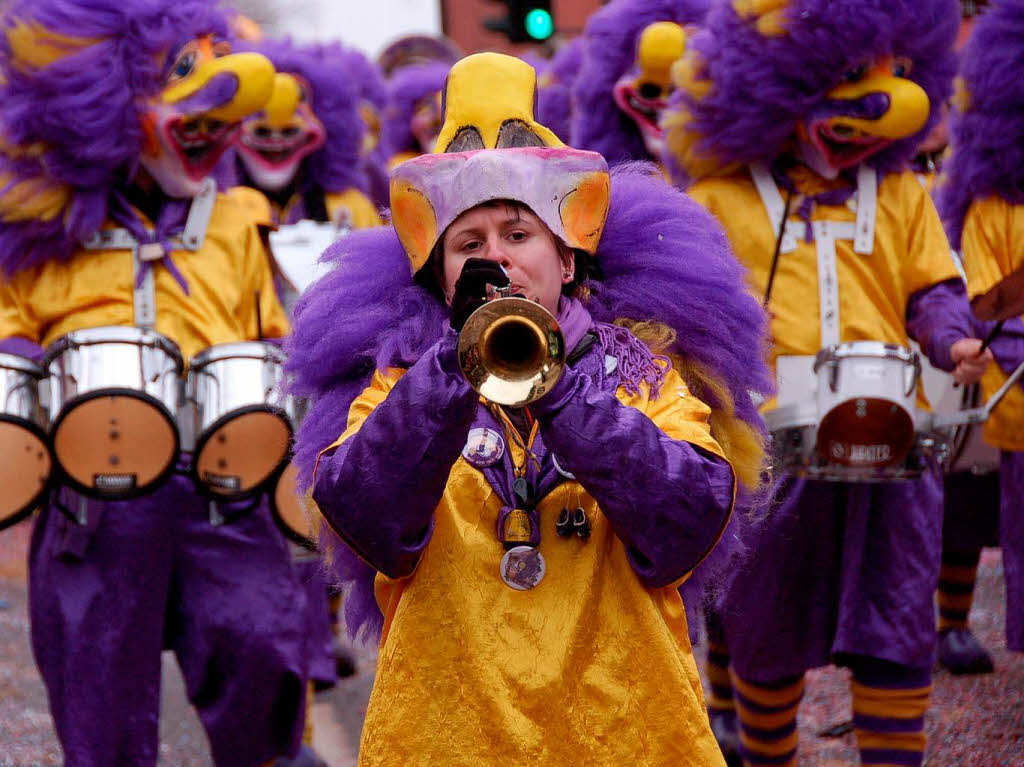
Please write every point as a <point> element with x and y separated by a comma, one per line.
<point>511,350</point>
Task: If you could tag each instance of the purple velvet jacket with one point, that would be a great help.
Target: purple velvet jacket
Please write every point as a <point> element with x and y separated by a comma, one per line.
<point>667,500</point>
<point>937,317</point>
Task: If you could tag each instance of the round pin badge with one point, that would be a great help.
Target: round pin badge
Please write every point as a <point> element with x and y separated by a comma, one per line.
<point>484,447</point>
<point>522,568</point>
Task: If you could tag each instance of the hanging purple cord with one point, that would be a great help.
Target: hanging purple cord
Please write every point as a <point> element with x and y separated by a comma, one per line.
<point>637,363</point>
<point>830,197</point>
<point>169,224</point>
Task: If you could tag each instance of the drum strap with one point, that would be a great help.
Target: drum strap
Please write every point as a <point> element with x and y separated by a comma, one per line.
<point>825,234</point>
<point>191,238</point>
<point>773,204</point>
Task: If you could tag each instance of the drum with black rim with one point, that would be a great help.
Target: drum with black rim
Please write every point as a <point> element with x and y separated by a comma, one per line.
<point>114,395</point>
<point>27,462</point>
<point>243,419</point>
<point>293,511</point>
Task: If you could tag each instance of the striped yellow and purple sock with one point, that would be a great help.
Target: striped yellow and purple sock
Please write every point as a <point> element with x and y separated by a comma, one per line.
<point>889,704</point>
<point>956,588</point>
<point>720,700</point>
<point>767,714</point>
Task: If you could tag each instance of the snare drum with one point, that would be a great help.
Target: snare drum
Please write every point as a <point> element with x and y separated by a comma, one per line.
<point>115,392</point>
<point>27,462</point>
<point>867,403</point>
<point>243,417</point>
<point>854,417</point>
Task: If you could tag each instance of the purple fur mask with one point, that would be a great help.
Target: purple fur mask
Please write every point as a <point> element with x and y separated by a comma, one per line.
<point>320,143</point>
<point>413,114</point>
<point>988,119</point>
<point>609,62</point>
<point>848,81</point>
<point>91,89</point>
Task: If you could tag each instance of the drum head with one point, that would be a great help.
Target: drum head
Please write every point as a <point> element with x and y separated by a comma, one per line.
<point>24,470</point>
<point>242,451</point>
<point>115,445</point>
<point>866,432</point>
<point>291,511</point>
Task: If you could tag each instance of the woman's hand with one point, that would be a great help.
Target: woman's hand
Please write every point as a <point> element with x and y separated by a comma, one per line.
<point>471,288</point>
<point>970,362</point>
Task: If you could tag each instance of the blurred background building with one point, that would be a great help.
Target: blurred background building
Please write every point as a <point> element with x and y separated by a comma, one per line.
<point>371,24</point>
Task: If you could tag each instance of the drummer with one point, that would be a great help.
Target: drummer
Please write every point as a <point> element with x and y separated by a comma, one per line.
<point>303,150</point>
<point>95,138</point>
<point>980,204</point>
<point>837,572</point>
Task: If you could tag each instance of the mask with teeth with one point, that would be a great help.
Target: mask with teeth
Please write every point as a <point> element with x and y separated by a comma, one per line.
<point>871,109</point>
<point>196,117</point>
<point>643,93</point>
<point>426,121</point>
<point>274,142</point>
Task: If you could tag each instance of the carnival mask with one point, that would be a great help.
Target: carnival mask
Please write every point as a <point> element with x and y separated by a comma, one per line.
<point>372,120</point>
<point>195,118</point>
<point>874,107</point>
<point>643,93</point>
<point>426,121</point>
<point>273,143</point>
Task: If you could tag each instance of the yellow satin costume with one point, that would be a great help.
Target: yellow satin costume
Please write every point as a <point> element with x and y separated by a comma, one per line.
<point>588,668</point>
<point>911,253</point>
<point>96,288</point>
<point>992,245</point>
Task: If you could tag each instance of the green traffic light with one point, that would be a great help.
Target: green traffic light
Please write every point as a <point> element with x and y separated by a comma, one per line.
<point>539,24</point>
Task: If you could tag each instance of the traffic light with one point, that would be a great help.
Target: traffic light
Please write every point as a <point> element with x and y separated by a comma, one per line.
<point>525,21</point>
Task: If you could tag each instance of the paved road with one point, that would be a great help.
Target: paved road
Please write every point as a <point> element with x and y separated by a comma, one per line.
<point>974,722</point>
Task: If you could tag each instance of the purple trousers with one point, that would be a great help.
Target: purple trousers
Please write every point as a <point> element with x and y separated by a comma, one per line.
<point>1011,538</point>
<point>323,669</point>
<point>153,573</point>
<point>836,569</point>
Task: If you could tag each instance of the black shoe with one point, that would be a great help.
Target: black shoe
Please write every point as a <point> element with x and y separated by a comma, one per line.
<point>726,732</point>
<point>344,660</point>
<point>961,653</point>
<point>305,758</point>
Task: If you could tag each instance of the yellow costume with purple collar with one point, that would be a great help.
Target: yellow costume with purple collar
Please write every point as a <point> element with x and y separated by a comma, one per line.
<point>96,288</point>
<point>583,614</point>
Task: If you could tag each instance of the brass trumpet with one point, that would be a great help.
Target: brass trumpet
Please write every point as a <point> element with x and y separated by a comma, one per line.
<point>511,350</point>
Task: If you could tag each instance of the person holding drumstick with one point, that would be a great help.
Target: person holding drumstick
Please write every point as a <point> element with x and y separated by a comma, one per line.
<point>981,205</point>
<point>793,123</point>
<point>112,115</point>
<point>528,554</point>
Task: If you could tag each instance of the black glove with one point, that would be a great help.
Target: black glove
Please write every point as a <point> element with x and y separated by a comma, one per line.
<point>471,288</point>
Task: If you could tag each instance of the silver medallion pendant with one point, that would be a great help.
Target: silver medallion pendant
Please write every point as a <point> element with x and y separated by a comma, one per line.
<point>522,568</point>
<point>484,447</point>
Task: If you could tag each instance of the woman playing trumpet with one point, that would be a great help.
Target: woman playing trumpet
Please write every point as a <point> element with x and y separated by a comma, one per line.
<point>528,558</point>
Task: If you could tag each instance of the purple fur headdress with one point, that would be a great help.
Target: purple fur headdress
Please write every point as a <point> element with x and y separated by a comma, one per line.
<point>70,127</point>
<point>988,120</point>
<point>372,89</point>
<point>751,86</point>
<point>554,88</point>
<point>406,88</point>
<point>337,165</point>
<point>368,313</point>
<point>610,45</point>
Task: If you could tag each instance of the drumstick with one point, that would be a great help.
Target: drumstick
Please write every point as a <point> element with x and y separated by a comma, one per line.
<point>991,336</point>
<point>259,319</point>
<point>778,249</point>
